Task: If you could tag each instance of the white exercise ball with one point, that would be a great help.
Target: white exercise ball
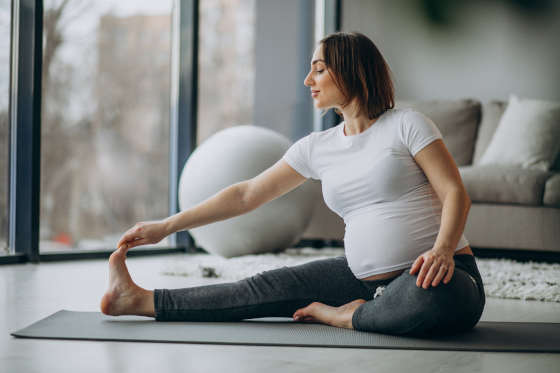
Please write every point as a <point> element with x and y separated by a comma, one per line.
<point>236,154</point>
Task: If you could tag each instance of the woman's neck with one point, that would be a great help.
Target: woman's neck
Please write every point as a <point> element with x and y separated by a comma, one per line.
<point>355,124</point>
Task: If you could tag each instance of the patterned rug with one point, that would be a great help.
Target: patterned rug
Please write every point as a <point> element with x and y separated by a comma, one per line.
<point>503,278</point>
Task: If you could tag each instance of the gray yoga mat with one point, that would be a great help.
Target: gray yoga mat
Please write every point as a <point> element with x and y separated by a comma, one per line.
<point>279,331</point>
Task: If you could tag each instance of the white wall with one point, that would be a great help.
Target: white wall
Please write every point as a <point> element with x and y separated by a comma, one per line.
<point>491,51</point>
<point>283,51</point>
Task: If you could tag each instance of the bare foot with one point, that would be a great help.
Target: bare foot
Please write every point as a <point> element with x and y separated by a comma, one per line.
<point>124,297</point>
<point>335,316</point>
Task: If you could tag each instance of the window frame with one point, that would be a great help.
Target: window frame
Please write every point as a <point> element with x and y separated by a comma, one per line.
<point>328,11</point>
<point>25,128</point>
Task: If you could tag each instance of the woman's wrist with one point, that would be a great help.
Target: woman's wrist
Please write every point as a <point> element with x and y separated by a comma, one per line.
<point>169,224</point>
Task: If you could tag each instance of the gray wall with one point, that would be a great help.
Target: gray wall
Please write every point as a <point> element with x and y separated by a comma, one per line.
<point>283,51</point>
<point>490,51</point>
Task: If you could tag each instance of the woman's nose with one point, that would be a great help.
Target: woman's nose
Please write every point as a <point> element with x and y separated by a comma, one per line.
<point>307,81</point>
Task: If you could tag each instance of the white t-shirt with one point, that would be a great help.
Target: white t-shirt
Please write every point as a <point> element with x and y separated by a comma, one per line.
<point>390,210</point>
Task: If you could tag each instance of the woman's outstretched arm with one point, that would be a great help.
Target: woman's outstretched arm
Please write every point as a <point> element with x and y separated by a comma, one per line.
<point>236,199</point>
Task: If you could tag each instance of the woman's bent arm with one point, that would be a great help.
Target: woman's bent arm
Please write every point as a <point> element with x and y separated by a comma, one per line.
<point>227,203</point>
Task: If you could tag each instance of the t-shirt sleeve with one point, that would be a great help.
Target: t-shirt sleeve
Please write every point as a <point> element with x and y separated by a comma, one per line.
<point>297,156</point>
<point>417,131</point>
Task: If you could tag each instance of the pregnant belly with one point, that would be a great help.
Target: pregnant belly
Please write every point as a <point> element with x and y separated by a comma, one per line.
<point>382,242</point>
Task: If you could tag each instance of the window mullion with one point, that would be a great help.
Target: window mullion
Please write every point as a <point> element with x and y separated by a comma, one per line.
<point>25,122</point>
<point>184,96</point>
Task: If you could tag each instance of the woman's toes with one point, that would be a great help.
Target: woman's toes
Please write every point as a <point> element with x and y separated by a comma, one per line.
<point>315,312</point>
<point>335,316</point>
<point>306,311</point>
<point>115,257</point>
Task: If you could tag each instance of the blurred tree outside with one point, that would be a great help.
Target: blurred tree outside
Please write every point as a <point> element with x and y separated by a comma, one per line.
<point>226,63</point>
<point>105,124</point>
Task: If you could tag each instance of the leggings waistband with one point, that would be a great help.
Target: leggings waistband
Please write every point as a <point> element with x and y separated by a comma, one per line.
<point>465,262</point>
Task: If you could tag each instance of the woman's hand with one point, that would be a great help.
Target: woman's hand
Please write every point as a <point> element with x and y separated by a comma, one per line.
<point>143,233</point>
<point>433,265</point>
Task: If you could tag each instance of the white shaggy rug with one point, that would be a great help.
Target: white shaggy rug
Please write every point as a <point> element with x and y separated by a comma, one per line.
<point>502,278</point>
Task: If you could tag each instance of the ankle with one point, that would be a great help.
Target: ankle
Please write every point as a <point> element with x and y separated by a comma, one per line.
<point>145,303</point>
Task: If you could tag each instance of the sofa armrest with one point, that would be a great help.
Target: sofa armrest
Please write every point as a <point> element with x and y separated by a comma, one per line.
<point>552,190</point>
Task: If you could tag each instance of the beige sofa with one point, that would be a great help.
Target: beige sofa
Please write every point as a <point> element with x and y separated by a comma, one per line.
<point>512,208</point>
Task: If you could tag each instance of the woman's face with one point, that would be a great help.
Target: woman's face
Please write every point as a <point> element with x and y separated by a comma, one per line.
<point>323,89</point>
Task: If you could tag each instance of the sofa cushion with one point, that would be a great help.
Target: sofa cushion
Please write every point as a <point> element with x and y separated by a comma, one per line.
<point>528,135</point>
<point>491,113</point>
<point>552,191</point>
<point>457,121</point>
<point>504,184</point>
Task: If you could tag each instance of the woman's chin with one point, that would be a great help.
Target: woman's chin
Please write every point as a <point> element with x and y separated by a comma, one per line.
<point>321,105</point>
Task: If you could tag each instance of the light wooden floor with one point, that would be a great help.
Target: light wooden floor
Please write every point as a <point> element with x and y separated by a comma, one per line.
<point>31,292</point>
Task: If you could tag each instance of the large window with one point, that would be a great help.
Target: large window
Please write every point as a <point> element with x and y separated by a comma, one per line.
<point>105,120</point>
<point>5,34</point>
<point>226,65</point>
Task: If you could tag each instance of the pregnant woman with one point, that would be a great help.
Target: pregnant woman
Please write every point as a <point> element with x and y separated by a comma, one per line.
<point>407,269</point>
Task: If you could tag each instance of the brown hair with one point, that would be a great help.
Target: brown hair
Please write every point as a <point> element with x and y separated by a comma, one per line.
<point>359,71</point>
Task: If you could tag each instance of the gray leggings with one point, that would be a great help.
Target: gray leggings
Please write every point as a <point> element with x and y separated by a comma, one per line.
<point>399,308</point>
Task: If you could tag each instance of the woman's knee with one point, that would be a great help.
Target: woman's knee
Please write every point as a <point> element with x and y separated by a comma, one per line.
<point>449,308</point>
<point>407,309</point>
